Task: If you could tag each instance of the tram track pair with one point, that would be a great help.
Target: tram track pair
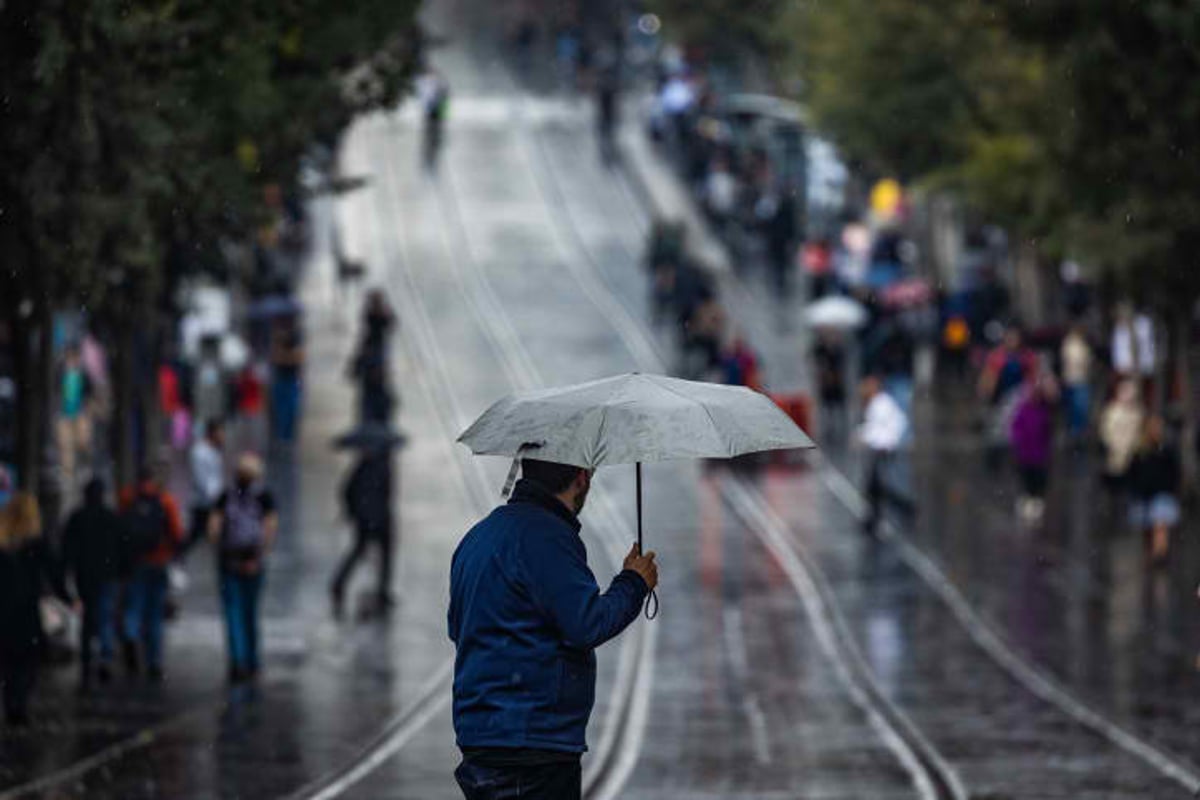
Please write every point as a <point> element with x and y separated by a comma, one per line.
<point>627,708</point>
<point>1033,678</point>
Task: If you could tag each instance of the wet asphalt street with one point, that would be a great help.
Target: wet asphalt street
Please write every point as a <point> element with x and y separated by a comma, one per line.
<point>961,656</point>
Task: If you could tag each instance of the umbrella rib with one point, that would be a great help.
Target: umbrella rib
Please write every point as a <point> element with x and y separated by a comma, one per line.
<point>707,413</point>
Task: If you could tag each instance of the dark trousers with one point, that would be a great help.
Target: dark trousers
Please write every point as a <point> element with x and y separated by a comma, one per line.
<point>285,407</point>
<point>98,628</point>
<point>364,536</point>
<point>146,610</point>
<point>18,671</point>
<point>239,602</point>
<point>536,782</point>
<point>198,530</point>
<point>880,492</point>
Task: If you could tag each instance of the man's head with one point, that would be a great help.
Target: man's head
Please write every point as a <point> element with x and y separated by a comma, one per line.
<point>249,470</point>
<point>214,431</point>
<point>870,386</point>
<point>568,483</point>
<point>1012,338</point>
<point>93,492</point>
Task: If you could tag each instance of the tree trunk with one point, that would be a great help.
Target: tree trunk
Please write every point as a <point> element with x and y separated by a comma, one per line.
<point>1187,398</point>
<point>28,417</point>
<point>123,396</point>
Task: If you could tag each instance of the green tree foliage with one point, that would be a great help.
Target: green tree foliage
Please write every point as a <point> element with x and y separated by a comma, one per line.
<point>1071,121</point>
<point>723,28</point>
<point>135,128</point>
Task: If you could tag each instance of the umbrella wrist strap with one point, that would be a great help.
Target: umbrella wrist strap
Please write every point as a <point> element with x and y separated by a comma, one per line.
<point>651,609</point>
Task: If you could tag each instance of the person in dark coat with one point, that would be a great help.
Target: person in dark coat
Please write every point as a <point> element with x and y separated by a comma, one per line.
<point>370,364</point>
<point>92,557</point>
<point>367,496</point>
<point>25,567</point>
<point>1155,480</point>
<point>526,616</point>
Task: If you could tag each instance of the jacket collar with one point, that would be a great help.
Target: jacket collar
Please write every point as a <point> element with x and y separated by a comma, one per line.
<point>526,491</point>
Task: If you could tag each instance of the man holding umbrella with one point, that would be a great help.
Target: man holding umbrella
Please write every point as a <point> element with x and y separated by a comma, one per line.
<point>526,616</point>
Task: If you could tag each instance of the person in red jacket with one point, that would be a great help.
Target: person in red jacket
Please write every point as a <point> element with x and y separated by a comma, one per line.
<point>153,534</point>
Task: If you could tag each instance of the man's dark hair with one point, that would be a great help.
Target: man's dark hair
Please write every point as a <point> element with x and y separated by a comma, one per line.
<point>549,475</point>
<point>213,426</point>
<point>93,492</point>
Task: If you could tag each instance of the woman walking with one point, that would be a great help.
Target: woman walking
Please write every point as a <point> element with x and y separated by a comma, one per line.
<point>24,564</point>
<point>1031,434</point>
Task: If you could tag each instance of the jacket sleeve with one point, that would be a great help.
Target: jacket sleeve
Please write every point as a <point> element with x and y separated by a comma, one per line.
<point>560,582</point>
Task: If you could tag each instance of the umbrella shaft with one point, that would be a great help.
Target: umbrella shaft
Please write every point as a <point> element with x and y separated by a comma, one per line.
<point>639,505</point>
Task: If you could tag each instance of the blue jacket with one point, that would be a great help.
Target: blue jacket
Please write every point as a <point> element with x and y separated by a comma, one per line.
<point>526,615</point>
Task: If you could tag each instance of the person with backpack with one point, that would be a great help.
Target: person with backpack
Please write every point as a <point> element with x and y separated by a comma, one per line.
<point>92,555</point>
<point>153,533</point>
<point>242,526</point>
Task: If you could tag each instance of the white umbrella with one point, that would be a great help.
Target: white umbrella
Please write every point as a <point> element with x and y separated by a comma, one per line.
<point>836,312</point>
<point>631,419</point>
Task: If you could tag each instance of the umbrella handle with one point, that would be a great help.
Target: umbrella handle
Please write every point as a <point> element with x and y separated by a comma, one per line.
<point>652,598</point>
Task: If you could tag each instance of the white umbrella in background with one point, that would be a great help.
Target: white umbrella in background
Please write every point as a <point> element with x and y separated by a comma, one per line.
<point>841,313</point>
<point>631,419</point>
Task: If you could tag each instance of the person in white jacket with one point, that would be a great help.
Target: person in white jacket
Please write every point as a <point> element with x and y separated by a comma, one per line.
<point>881,434</point>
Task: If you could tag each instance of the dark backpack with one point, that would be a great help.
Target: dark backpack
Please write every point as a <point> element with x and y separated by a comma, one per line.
<point>145,523</point>
<point>244,528</point>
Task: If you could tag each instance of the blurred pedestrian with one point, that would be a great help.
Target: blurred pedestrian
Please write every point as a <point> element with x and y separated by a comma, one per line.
<point>250,402</point>
<point>777,210</point>
<point>703,330</point>
<point>207,463</point>
<point>1008,367</point>
<point>243,525</point>
<point>829,363</point>
<point>1134,350</point>
<point>1155,480</point>
<point>210,388</point>
<point>367,497</point>
<point>370,365</point>
<point>1031,432</point>
<point>817,258</point>
<point>287,366</point>
<point>92,558</point>
<point>74,430</point>
<point>956,344</point>
<point>1121,427</point>
<point>1076,357</point>
<point>434,94</point>
<point>607,107</point>
<point>526,616</point>
<point>25,565</point>
<point>721,194</point>
<point>153,534</point>
<point>882,434</point>
<point>740,364</point>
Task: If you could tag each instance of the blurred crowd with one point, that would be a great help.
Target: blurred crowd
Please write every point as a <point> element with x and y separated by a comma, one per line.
<point>101,586</point>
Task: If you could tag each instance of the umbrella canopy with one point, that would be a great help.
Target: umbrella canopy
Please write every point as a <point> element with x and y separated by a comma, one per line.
<point>370,436</point>
<point>841,313</point>
<point>907,293</point>
<point>630,419</point>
